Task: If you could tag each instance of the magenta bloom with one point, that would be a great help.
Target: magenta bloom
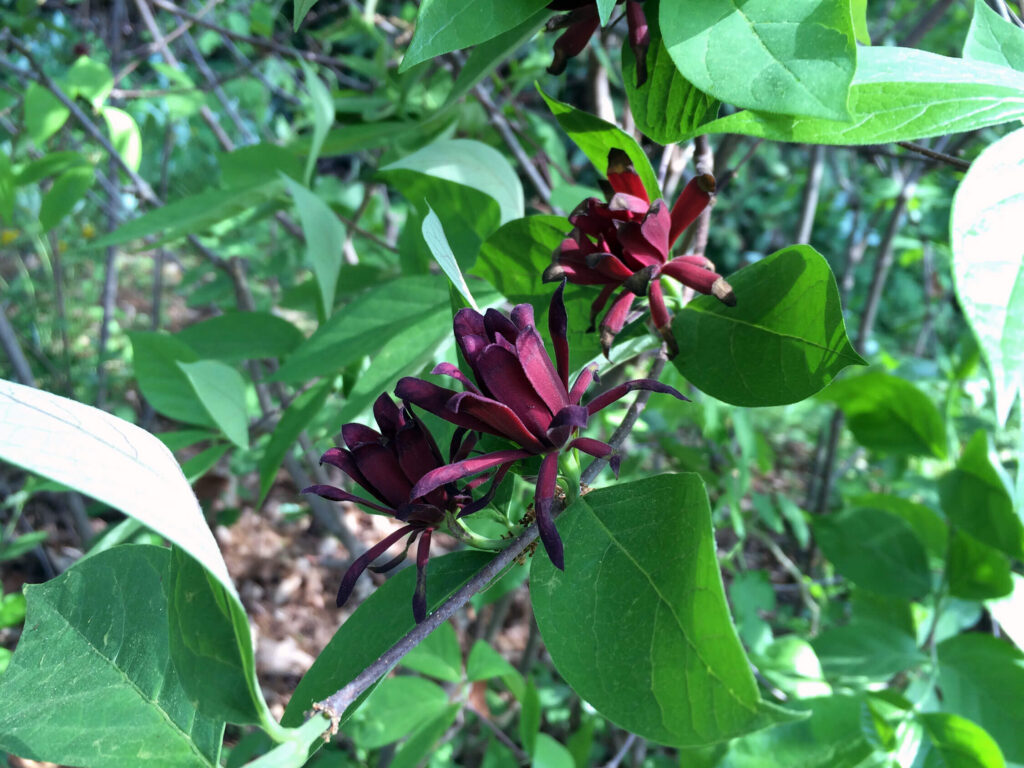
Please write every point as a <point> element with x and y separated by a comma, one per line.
<point>580,24</point>
<point>624,245</point>
<point>520,395</point>
<point>387,464</point>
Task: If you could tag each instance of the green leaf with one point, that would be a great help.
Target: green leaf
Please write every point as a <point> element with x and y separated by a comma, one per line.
<point>648,592</point>
<point>13,605</point>
<point>90,80</point>
<point>485,663</point>
<point>397,707</point>
<point>44,114</point>
<point>956,742</point>
<point>595,138</point>
<point>977,571</point>
<point>988,262</point>
<point>866,650</point>
<point>889,415</point>
<point>49,165</point>
<point>365,324</point>
<point>472,164</point>
<point>860,21</point>
<point>295,752</point>
<point>548,753</point>
<point>191,215</point>
<point>529,716</point>
<point>67,190</point>
<point>93,659</point>
<point>927,524</point>
<point>155,357</point>
<point>875,550</point>
<point>378,624</point>
<point>421,742</point>
<point>11,548</point>
<point>433,233</point>
<point>124,135</point>
<point>221,390</point>
<point>438,655</point>
<point>982,679</point>
<point>236,336</point>
<point>323,117</point>
<point>791,665</point>
<point>257,164</point>
<point>1009,611</point>
<point>993,39</point>
<point>211,645</point>
<point>975,498</point>
<point>604,11</point>
<point>794,58</point>
<point>6,189</point>
<point>783,341</point>
<point>899,94</point>
<point>831,738</point>
<point>668,107</point>
<point>84,447</point>
<point>299,11</point>
<point>443,26</point>
<point>299,413</point>
<point>325,238</point>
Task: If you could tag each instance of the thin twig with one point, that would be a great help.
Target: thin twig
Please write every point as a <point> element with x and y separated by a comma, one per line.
<point>500,124</point>
<point>812,189</point>
<point>942,157</point>
<point>623,751</point>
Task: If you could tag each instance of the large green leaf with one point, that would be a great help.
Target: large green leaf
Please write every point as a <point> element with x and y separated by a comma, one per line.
<point>90,80</point>
<point>91,682</point>
<point>325,237</point>
<point>472,164</point>
<point>993,39</point>
<point>975,498</point>
<point>956,742</point>
<point>931,530</point>
<point>889,414</point>
<point>867,650</point>
<point>322,109</point>
<point>44,114</point>
<point>396,708</point>
<point>156,357</point>
<point>443,26</point>
<point>641,601</point>
<point>124,135</point>
<point>376,625</point>
<point>977,571</point>
<point>899,94</point>
<point>438,655</point>
<point>783,341</point>
<point>982,679</point>
<point>876,550</point>
<point>109,459</point>
<point>794,58</point>
<point>211,645</point>
<point>67,190</point>
<point>832,737</point>
<point>595,138</point>
<point>236,336</point>
<point>988,262</point>
<point>668,107</point>
<point>221,390</point>
<point>364,325</point>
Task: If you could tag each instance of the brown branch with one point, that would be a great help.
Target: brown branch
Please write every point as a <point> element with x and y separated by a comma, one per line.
<point>942,157</point>
<point>500,124</point>
<point>812,190</point>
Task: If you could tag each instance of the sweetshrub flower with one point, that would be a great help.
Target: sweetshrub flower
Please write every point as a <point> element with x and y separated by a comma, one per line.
<point>387,464</point>
<point>581,22</point>
<point>517,393</point>
<point>623,244</point>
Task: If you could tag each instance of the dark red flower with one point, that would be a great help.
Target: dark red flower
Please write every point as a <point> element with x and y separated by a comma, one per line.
<point>387,464</point>
<point>581,22</point>
<point>520,395</point>
<point>624,244</point>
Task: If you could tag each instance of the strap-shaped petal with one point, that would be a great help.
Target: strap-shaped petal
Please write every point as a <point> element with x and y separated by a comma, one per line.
<point>598,450</point>
<point>507,379</point>
<point>387,415</point>
<point>558,329</point>
<point>336,494</point>
<point>342,459</point>
<point>465,468</point>
<point>567,421</point>
<point>419,596</point>
<point>348,581</point>
<point>355,435</point>
<point>691,202</point>
<point>447,369</point>
<point>543,502</point>
<point>616,393</point>
<point>496,419</point>
<point>435,400</point>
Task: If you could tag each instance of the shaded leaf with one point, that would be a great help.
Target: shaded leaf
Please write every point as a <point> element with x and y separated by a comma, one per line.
<point>221,390</point>
<point>236,336</point>
<point>438,655</point>
<point>67,190</point>
<point>993,39</point>
<point>977,571</point>
<point>325,237</point>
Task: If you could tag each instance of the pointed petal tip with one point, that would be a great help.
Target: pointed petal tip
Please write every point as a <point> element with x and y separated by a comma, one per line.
<point>722,291</point>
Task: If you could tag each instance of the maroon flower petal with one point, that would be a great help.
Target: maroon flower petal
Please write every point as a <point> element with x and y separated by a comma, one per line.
<point>355,435</point>
<point>615,319</point>
<point>632,205</point>
<point>543,502</point>
<point>483,501</point>
<point>647,241</point>
<point>419,597</point>
<point>435,399</point>
<point>623,177</point>
<point>380,466</point>
<point>567,421</point>
<point>342,459</point>
<point>424,514</point>
<point>691,201</point>
<point>509,382</point>
<point>639,38</point>
<point>609,266</point>
<point>659,312</point>
<point>540,371</point>
<point>462,444</point>
<point>348,581</point>
<point>387,415</point>
<point>615,393</point>
<point>336,494</point>
<point>447,369</point>
<point>597,449</point>
<point>599,304</point>
<point>558,329</point>
<point>522,316</point>
<point>574,39</point>
<point>470,334</point>
<point>452,472</point>
<point>498,325</point>
<point>495,418</point>
<point>397,559</point>
<point>416,456</point>
<point>700,279</point>
<point>579,387</point>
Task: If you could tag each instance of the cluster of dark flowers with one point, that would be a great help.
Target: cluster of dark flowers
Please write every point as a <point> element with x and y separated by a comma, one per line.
<point>516,392</point>
<point>580,20</point>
